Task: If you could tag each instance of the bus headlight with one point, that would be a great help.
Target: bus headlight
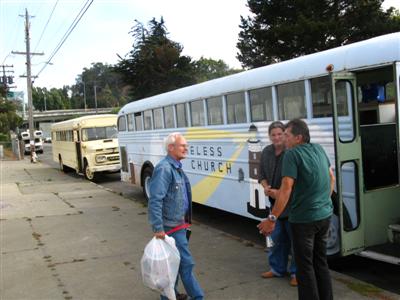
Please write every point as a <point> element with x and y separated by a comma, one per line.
<point>101,158</point>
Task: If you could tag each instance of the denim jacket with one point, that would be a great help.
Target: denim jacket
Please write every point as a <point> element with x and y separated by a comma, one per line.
<point>166,203</point>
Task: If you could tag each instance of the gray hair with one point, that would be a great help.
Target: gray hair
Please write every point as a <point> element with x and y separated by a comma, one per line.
<point>171,139</point>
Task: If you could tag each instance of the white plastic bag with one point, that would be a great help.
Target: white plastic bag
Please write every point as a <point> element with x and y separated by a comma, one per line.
<point>160,265</point>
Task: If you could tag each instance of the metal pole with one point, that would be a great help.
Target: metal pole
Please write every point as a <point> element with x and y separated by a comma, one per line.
<point>95,97</point>
<point>29,88</point>
<point>45,108</point>
<point>84,94</point>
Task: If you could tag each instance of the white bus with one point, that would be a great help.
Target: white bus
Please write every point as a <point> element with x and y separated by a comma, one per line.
<point>349,97</point>
<point>88,145</point>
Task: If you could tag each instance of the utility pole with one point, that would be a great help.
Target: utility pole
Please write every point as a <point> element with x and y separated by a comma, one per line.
<point>95,97</point>
<point>29,84</point>
<point>84,93</point>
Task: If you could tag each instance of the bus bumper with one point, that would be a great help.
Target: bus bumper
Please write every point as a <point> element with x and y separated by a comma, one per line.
<point>106,168</point>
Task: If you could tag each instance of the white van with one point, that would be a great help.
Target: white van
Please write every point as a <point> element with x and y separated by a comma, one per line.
<point>38,141</point>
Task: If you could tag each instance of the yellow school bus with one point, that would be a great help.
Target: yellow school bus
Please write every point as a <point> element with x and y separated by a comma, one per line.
<point>87,145</point>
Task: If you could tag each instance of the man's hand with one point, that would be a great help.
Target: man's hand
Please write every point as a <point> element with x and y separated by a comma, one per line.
<point>266,227</point>
<point>160,235</point>
<point>273,193</point>
<point>266,189</point>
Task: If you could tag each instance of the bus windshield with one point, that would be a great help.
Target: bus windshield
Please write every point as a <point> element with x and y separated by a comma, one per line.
<point>99,133</point>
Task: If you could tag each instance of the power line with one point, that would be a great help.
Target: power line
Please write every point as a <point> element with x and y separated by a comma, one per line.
<point>45,26</point>
<point>67,33</point>
<point>15,29</point>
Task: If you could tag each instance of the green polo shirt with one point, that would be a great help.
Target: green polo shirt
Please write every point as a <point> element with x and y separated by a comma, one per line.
<point>308,165</point>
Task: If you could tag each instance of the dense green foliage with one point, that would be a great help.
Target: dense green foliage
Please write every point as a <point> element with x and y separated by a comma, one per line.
<point>155,63</point>
<point>9,120</point>
<point>108,84</point>
<point>282,29</point>
<point>207,69</point>
<point>44,99</point>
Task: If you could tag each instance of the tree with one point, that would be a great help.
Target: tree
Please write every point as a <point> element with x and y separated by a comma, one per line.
<point>9,120</point>
<point>107,82</point>
<point>208,69</point>
<point>54,98</point>
<point>155,64</point>
<point>283,29</point>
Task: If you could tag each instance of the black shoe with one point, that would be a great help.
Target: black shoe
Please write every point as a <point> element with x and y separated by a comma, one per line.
<point>181,296</point>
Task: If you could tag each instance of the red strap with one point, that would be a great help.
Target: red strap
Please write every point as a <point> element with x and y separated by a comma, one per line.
<point>179,227</point>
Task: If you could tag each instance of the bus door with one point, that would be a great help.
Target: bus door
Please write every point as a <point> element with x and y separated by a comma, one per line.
<point>78,151</point>
<point>348,162</point>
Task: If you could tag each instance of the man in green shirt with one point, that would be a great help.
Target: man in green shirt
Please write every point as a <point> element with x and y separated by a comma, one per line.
<point>306,174</point>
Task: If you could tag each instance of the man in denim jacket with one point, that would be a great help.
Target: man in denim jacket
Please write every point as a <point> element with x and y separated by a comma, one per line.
<point>170,205</point>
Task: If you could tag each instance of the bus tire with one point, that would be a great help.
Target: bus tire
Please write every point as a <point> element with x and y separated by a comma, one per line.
<point>61,166</point>
<point>333,243</point>
<point>148,171</point>
<point>89,175</point>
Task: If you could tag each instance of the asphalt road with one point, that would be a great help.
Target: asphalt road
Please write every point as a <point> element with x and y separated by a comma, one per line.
<point>380,274</point>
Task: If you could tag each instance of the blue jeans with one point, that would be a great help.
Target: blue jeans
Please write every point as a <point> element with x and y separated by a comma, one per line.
<point>309,243</point>
<point>190,283</point>
<point>278,255</point>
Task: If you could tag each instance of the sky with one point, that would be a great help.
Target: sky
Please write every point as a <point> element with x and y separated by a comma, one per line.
<point>207,28</point>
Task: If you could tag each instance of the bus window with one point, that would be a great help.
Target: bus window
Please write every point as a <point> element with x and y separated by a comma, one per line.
<point>131,121</point>
<point>169,116</point>
<point>236,108</point>
<point>261,105</point>
<point>158,120</point>
<point>121,123</point>
<point>214,111</point>
<point>181,115</point>
<point>147,120</point>
<point>350,195</point>
<point>390,89</point>
<point>99,133</point>
<point>69,136</point>
<point>138,121</point>
<point>344,98</point>
<point>111,132</point>
<point>197,112</point>
<point>291,99</point>
<point>321,97</point>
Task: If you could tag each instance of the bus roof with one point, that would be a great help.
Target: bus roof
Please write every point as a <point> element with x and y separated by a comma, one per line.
<point>86,121</point>
<point>372,52</point>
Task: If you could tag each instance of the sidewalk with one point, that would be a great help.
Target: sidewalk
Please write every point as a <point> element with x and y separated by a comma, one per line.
<point>66,238</point>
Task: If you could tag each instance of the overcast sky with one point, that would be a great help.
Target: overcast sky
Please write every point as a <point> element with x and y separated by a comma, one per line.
<point>206,28</point>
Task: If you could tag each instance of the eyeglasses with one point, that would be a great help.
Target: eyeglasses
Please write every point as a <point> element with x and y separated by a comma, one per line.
<point>182,145</point>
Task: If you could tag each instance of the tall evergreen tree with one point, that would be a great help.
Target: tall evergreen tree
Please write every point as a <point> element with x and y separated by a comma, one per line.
<point>155,64</point>
<point>282,29</point>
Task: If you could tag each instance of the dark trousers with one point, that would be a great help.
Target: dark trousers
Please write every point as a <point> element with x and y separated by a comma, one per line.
<point>309,245</point>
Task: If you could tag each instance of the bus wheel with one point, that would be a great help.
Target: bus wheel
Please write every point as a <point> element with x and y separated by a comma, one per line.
<point>333,241</point>
<point>61,166</point>
<point>146,181</point>
<point>88,173</point>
